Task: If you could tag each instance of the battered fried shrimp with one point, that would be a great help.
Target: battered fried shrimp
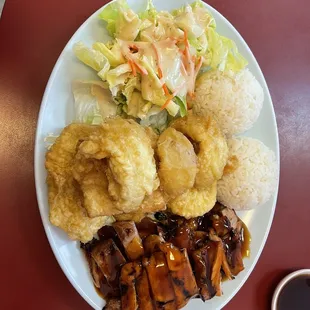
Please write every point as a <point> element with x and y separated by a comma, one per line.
<point>194,202</point>
<point>61,156</point>
<point>177,162</point>
<point>210,146</point>
<point>67,211</point>
<point>91,176</point>
<point>64,193</point>
<point>153,203</point>
<point>131,169</point>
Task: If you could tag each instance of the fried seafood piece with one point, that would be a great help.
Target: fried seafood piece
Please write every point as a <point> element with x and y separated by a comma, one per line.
<point>177,162</point>
<point>131,168</point>
<point>109,259</point>
<point>194,202</point>
<point>183,280</point>
<point>64,194</point>
<point>129,236</point>
<point>67,211</point>
<point>91,176</point>
<point>129,275</point>
<point>210,145</point>
<point>151,203</point>
<point>160,282</point>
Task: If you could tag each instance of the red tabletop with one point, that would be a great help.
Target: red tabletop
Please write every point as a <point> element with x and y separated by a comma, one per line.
<point>32,35</point>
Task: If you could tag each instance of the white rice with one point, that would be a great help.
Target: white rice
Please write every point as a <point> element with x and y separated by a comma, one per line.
<point>234,99</point>
<point>255,179</point>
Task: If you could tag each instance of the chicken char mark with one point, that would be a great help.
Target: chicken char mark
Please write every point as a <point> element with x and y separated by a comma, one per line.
<point>163,264</point>
<point>181,273</point>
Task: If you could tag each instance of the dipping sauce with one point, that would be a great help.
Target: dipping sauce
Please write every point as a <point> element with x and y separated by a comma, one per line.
<point>295,294</point>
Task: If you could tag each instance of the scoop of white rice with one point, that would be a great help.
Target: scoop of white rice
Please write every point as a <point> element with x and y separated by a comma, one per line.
<point>255,179</point>
<point>235,99</point>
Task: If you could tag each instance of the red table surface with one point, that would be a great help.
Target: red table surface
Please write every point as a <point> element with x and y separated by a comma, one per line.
<point>32,35</point>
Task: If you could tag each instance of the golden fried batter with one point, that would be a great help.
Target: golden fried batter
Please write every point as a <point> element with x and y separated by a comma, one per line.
<point>194,202</point>
<point>61,156</point>
<point>67,212</point>
<point>64,193</point>
<point>210,145</point>
<point>91,176</point>
<point>177,162</point>
<point>131,169</point>
<point>153,203</point>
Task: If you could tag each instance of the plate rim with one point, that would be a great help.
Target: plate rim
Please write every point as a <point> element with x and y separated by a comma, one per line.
<point>43,106</point>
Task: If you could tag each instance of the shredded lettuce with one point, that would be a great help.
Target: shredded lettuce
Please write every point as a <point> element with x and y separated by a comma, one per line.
<point>90,57</point>
<point>122,22</point>
<point>224,53</point>
<point>150,12</point>
<point>113,55</point>
<point>93,102</point>
<point>181,102</point>
<point>156,119</point>
<point>118,76</point>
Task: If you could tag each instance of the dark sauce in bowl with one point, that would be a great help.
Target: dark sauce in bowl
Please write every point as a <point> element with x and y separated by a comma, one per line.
<point>295,294</point>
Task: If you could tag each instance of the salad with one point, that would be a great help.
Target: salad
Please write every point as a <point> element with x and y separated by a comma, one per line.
<point>149,67</point>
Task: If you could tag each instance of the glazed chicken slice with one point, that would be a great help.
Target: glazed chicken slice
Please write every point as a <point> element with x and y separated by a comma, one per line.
<point>109,260</point>
<point>225,265</point>
<point>128,234</point>
<point>160,282</point>
<point>129,274</point>
<point>202,270</point>
<point>113,304</point>
<point>143,290</point>
<point>181,273</point>
<point>152,244</point>
<point>236,259</point>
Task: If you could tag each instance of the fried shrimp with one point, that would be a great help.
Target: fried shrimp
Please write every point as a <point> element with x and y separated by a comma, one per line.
<point>131,169</point>
<point>67,211</point>
<point>194,202</point>
<point>64,193</point>
<point>91,176</point>
<point>210,146</point>
<point>177,162</point>
<point>150,204</point>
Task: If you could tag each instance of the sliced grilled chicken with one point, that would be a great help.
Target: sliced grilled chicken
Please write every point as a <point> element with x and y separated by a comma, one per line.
<point>113,304</point>
<point>160,282</point>
<point>129,274</point>
<point>143,290</point>
<point>128,234</point>
<point>109,260</point>
<point>181,273</point>
<point>151,244</point>
<point>202,269</point>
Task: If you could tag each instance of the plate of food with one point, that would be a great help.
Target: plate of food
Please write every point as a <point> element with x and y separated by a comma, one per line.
<point>157,157</point>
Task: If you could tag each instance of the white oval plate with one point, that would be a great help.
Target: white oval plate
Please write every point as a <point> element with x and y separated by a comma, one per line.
<point>57,112</point>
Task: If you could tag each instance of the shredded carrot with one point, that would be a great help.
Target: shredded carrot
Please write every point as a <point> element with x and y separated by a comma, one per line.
<point>133,67</point>
<point>166,90</point>
<point>140,68</point>
<point>186,39</point>
<point>170,97</point>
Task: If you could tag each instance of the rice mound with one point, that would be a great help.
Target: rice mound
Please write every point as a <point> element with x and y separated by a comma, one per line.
<point>255,178</point>
<point>235,99</point>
